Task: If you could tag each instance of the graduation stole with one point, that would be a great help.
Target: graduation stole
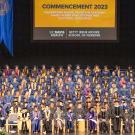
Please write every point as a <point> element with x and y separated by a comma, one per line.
<point>103,115</point>
<point>91,117</point>
<point>59,114</point>
<point>47,114</point>
<point>87,72</point>
<point>36,114</point>
<point>70,116</point>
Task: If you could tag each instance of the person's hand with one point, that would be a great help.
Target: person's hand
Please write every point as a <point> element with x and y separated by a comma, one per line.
<point>2,118</point>
<point>35,118</point>
<point>103,120</point>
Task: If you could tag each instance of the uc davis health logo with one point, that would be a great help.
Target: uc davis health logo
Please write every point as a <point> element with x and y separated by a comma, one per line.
<point>3,7</point>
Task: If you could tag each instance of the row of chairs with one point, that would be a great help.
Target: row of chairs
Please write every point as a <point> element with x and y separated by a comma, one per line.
<point>15,119</point>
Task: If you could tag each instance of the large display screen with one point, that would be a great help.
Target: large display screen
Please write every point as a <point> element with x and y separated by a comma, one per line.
<point>75,20</point>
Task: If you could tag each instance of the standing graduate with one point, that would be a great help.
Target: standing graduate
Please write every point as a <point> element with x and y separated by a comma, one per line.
<point>47,121</point>
<point>116,115</point>
<point>92,120</point>
<point>70,117</point>
<point>2,118</point>
<point>103,120</point>
<point>59,119</point>
<point>127,121</point>
<point>132,112</point>
<point>36,116</point>
<point>25,117</point>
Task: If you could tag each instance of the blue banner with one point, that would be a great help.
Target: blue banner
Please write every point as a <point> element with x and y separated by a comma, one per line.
<point>6,24</point>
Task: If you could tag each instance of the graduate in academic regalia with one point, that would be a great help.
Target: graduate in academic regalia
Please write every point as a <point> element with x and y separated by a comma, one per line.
<point>113,89</point>
<point>78,73</point>
<point>124,92</point>
<point>69,70</point>
<point>43,70</point>
<point>25,70</point>
<point>35,97</point>
<point>132,91</point>
<point>8,98</point>
<point>52,72</point>
<point>7,70</point>
<point>61,71</point>
<point>87,71</point>
<point>68,94</point>
<point>88,104</point>
<point>96,71</point>
<point>116,115</point>
<point>34,71</point>
<point>58,117</point>
<point>1,98</point>
<point>92,120</point>
<point>124,105</point>
<point>70,117</point>
<point>80,112</point>
<point>2,118</point>
<point>47,120</point>
<point>25,117</point>
<point>15,107</point>
<point>52,106</point>
<point>17,71</point>
<point>105,72</point>
<point>132,112</point>
<point>103,120</point>
<point>87,89</point>
<point>7,102</point>
<point>127,121</point>
<point>36,116</point>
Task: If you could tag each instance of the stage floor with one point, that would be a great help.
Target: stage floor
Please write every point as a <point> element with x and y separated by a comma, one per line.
<point>83,133</point>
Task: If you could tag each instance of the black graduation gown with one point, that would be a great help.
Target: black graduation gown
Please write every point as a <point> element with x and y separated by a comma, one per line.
<point>116,118</point>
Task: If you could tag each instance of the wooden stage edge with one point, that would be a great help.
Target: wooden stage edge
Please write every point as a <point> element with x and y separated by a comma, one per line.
<point>79,133</point>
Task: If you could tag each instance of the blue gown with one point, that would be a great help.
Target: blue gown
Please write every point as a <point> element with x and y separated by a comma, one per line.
<point>70,120</point>
<point>91,116</point>
<point>36,116</point>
